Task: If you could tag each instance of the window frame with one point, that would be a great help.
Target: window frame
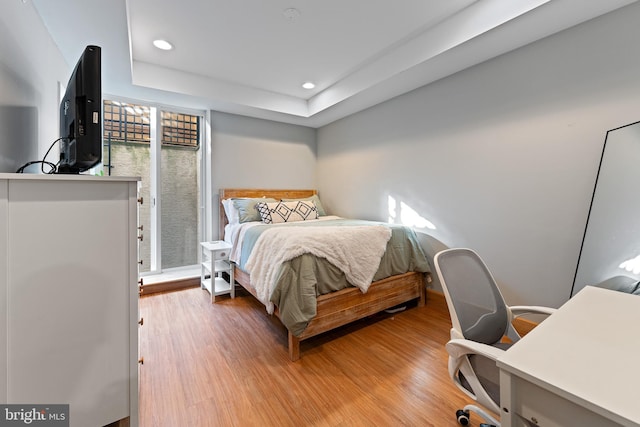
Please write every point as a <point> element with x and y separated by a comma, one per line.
<point>204,145</point>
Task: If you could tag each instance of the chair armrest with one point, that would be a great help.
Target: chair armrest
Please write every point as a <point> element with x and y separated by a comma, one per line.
<point>460,347</point>
<point>519,310</point>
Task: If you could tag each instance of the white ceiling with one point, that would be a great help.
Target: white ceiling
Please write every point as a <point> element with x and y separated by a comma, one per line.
<point>249,57</point>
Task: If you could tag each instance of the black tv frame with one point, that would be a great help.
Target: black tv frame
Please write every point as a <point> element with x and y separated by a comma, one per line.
<point>81,115</point>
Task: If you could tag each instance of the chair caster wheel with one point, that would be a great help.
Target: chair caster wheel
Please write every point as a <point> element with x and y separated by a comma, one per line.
<point>462,417</point>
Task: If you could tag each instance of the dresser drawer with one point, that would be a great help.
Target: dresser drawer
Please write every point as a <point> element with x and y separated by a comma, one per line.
<point>537,407</point>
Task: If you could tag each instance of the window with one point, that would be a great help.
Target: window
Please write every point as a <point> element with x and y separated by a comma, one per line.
<point>180,129</point>
<point>179,177</point>
<point>125,122</point>
<point>162,146</point>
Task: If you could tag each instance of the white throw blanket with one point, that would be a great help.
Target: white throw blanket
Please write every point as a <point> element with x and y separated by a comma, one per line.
<point>356,251</point>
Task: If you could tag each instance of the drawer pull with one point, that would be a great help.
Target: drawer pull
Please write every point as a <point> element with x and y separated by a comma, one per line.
<point>141,321</point>
<point>141,361</point>
<point>141,200</point>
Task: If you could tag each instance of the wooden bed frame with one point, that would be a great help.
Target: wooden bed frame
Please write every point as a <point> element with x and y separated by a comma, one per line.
<point>338,308</point>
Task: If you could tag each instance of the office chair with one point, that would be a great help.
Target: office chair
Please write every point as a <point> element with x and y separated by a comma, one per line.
<point>480,320</point>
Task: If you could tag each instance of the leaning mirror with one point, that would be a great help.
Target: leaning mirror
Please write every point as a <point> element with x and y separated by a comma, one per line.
<point>610,253</point>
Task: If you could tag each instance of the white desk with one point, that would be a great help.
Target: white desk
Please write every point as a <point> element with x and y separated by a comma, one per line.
<point>577,368</point>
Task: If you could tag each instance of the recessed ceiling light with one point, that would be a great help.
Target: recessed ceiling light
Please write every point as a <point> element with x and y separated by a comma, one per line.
<point>292,14</point>
<point>162,44</point>
<point>308,85</point>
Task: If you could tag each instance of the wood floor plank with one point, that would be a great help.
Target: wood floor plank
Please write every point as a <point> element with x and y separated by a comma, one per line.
<point>226,364</point>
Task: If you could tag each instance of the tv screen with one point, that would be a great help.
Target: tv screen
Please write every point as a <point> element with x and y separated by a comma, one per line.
<point>81,115</point>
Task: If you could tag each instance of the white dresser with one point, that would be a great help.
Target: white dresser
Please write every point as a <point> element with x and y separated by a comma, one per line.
<point>69,295</point>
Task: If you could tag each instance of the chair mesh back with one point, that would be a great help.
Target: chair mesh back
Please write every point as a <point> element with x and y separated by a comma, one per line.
<point>474,295</point>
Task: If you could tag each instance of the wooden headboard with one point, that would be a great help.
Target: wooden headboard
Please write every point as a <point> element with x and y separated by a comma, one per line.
<point>228,193</point>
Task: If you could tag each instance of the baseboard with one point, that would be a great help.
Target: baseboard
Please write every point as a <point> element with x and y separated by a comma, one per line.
<point>523,326</point>
<point>172,285</point>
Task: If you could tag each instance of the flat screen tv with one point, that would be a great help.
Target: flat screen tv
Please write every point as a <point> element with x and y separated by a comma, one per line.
<point>81,115</point>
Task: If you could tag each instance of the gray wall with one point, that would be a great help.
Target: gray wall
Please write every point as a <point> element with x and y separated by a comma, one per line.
<point>501,157</point>
<point>257,153</point>
<point>31,68</point>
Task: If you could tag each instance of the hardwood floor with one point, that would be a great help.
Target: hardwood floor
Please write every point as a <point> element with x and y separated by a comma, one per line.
<point>227,364</point>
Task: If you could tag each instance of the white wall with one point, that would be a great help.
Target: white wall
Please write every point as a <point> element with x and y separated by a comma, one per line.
<point>501,157</point>
<point>257,153</point>
<point>31,68</point>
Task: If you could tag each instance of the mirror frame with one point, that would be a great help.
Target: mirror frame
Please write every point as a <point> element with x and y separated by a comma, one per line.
<point>591,204</point>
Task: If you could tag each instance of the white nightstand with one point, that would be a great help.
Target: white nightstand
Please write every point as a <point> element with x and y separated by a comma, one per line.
<point>215,261</point>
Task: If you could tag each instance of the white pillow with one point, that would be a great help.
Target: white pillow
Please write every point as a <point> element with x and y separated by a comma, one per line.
<point>233,216</point>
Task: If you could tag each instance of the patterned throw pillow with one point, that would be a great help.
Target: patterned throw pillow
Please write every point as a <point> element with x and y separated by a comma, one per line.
<point>274,213</point>
<point>315,199</point>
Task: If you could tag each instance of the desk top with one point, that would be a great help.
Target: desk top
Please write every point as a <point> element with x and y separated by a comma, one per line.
<point>587,352</point>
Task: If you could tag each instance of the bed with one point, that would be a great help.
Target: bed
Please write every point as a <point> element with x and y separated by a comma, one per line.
<point>338,307</point>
